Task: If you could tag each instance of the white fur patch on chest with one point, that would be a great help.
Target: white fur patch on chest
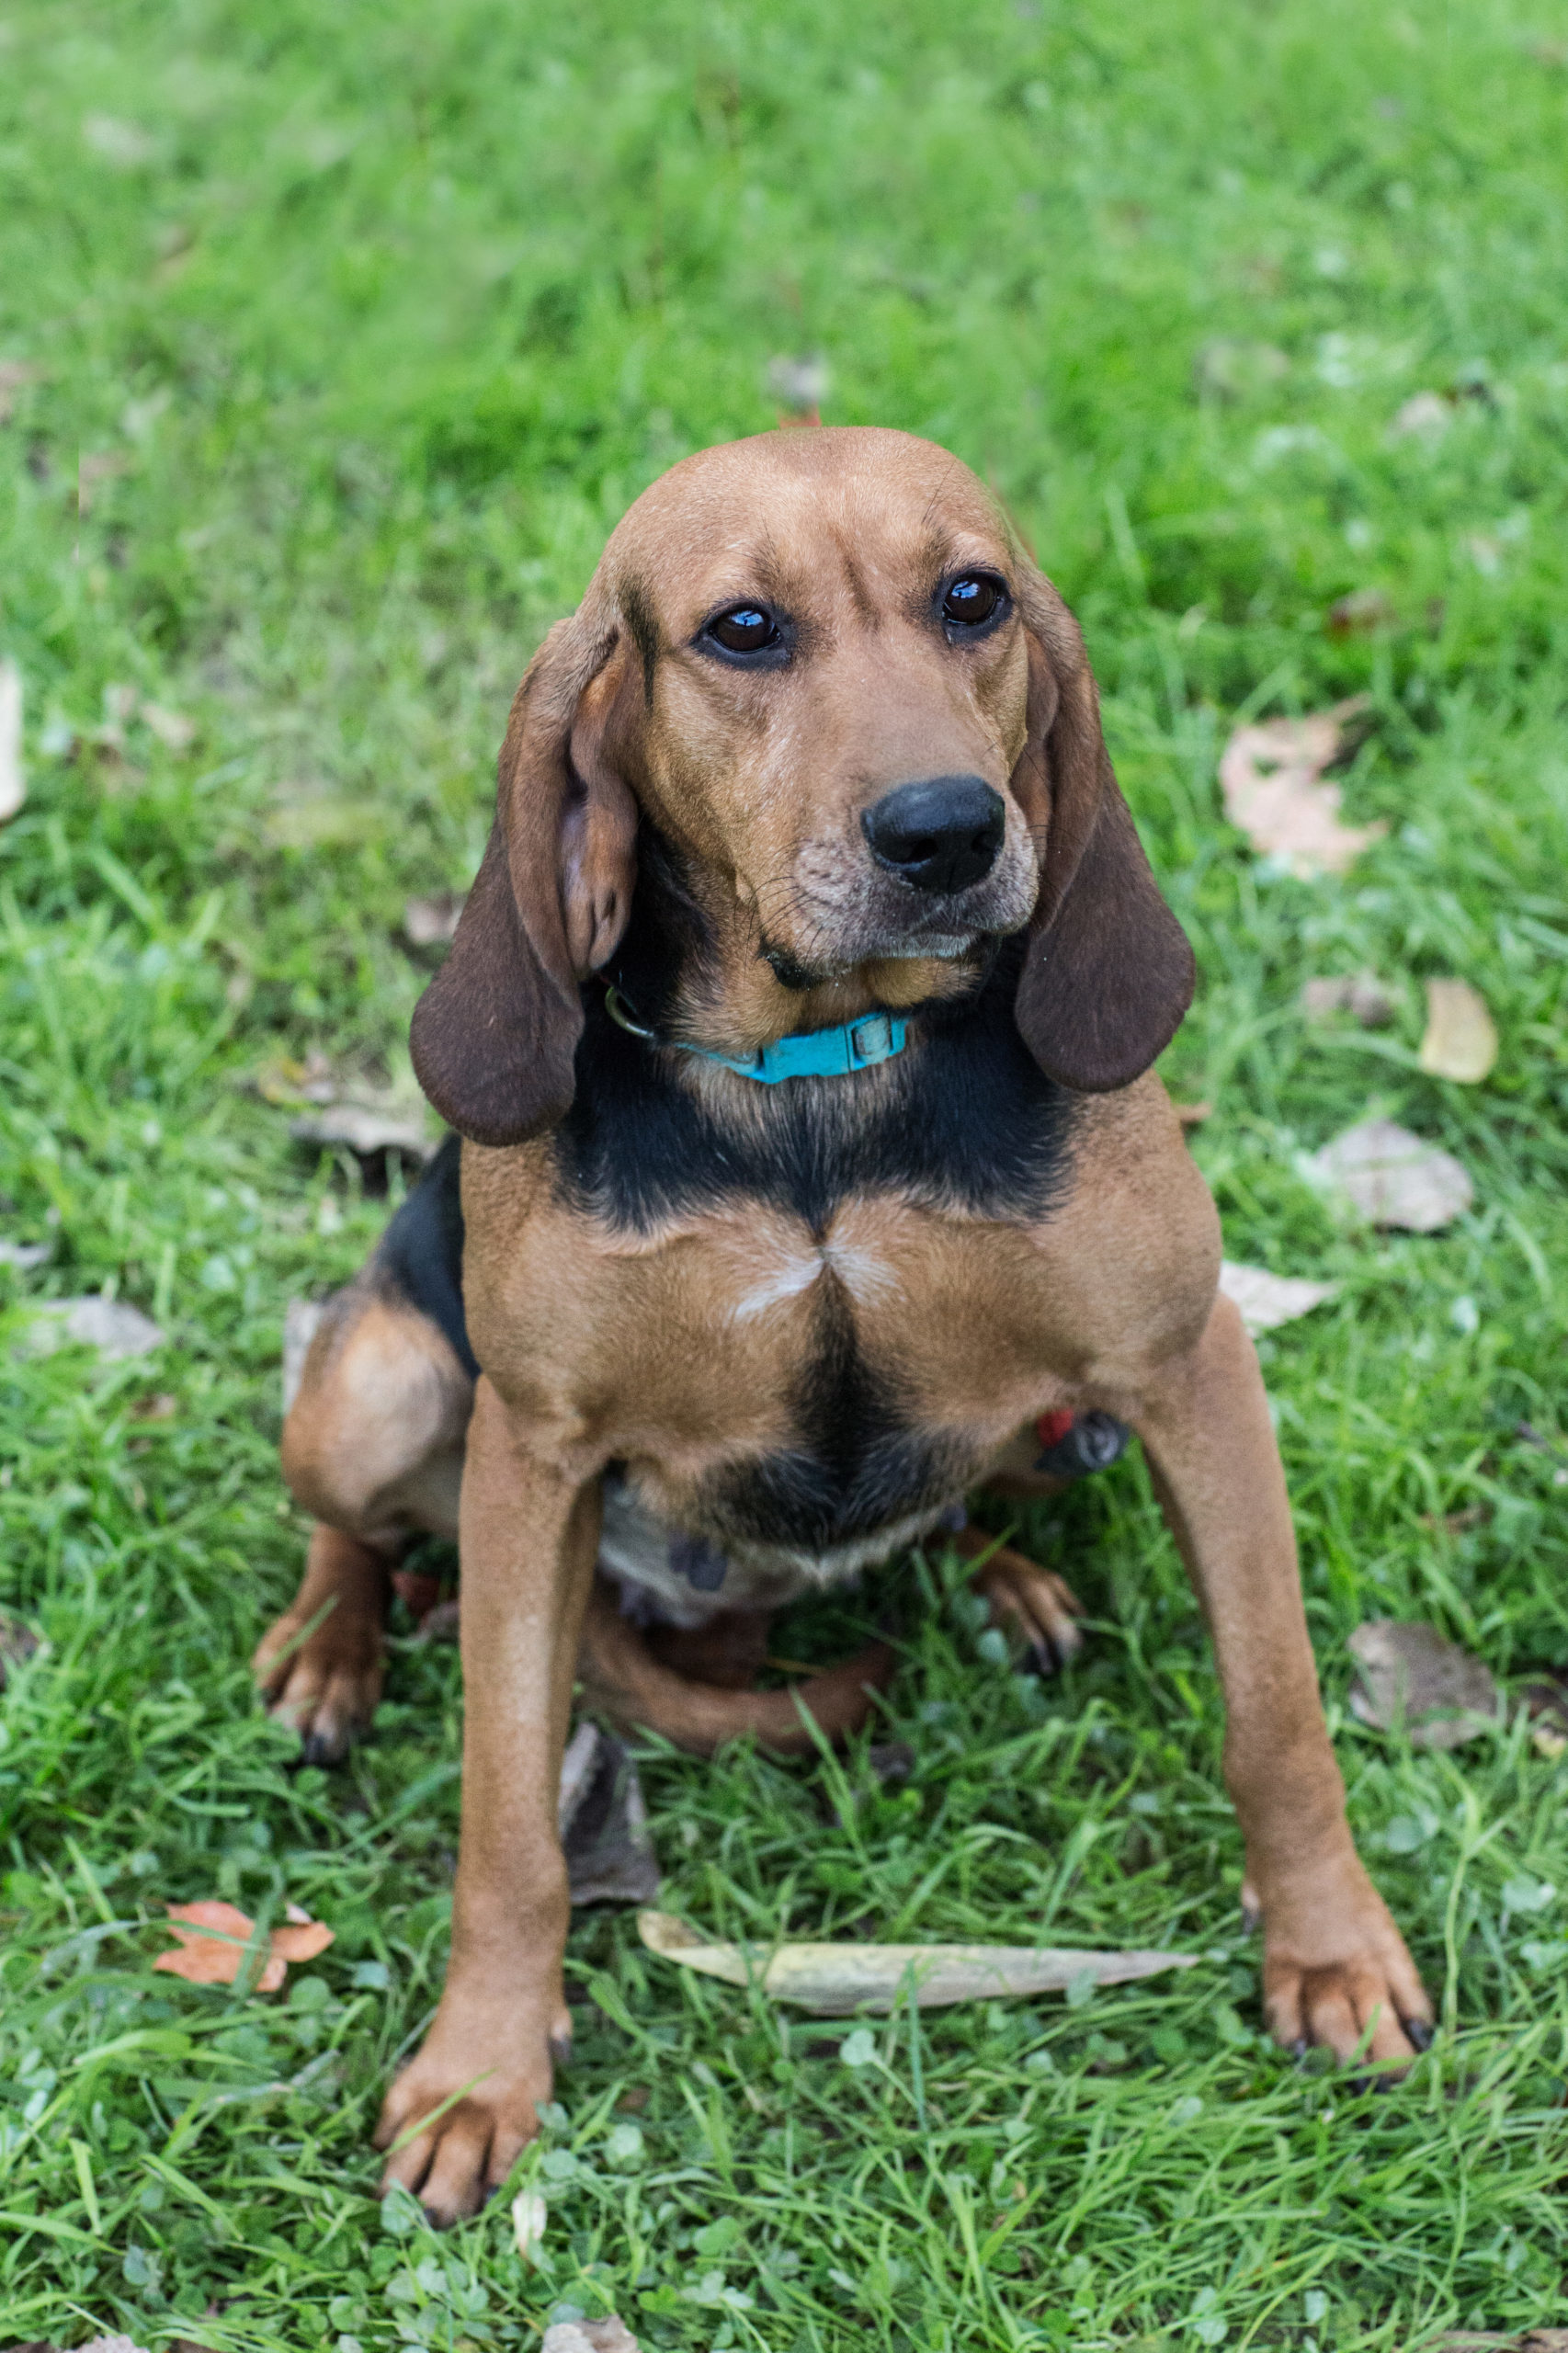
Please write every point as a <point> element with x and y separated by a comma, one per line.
<point>866,1277</point>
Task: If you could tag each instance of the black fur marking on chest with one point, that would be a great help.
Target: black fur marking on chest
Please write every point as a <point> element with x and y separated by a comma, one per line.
<point>962,1118</point>
<point>858,1466</point>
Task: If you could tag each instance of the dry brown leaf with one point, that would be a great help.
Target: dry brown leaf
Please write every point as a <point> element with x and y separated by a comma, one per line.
<point>1365,997</point>
<point>14,374</point>
<point>1362,613</point>
<point>1424,416</point>
<point>1409,1674</point>
<point>607,2336</point>
<point>18,1644</point>
<point>369,1130</point>
<point>171,728</point>
<point>1461,1038</point>
<point>1271,777</point>
<point>1268,1301</point>
<point>1395,1179</point>
<point>431,922</point>
<point>13,778</point>
<point>283,1080</point>
<point>602,1822</point>
<point>301,1322</point>
<point>161,1406</point>
<point>214,1942</point>
<point>834,1980</point>
<point>108,1325</point>
<point>531,2219</point>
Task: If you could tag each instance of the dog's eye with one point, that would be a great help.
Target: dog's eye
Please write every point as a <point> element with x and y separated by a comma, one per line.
<point>744,629</point>
<point>970,600</point>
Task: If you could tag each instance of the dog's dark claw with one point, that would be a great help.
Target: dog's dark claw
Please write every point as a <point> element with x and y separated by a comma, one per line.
<point>1418,2033</point>
<point>315,1750</point>
<point>561,2050</point>
<point>1299,2048</point>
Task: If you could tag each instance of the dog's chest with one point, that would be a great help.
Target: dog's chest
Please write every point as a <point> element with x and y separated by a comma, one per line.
<point>791,1391</point>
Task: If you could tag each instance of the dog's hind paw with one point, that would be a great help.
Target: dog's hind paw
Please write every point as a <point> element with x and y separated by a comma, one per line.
<point>1033,1607</point>
<point>324,1687</point>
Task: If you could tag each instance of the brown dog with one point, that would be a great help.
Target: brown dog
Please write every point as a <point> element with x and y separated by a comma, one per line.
<point>818,761</point>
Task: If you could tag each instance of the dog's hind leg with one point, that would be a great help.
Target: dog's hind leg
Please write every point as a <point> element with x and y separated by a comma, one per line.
<point>373,1448</point>
<point>622,1675</point>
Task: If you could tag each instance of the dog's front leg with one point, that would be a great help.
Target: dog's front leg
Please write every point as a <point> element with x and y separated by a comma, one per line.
<point>528,1536</point>
<point>1335,1964</point>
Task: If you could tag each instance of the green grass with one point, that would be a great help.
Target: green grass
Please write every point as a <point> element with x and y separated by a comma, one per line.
<point>381,314</point>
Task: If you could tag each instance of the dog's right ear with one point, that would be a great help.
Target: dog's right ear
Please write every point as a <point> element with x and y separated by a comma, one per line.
<point>495,1033</point>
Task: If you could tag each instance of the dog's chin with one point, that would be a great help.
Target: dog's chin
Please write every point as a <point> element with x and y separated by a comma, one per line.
<point>795,972</point>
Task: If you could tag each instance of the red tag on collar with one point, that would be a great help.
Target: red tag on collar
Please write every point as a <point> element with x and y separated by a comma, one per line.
<point>1051,1428</point>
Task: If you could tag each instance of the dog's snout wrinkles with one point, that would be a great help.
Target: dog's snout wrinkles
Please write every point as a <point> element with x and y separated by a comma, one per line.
<point>940,835</point>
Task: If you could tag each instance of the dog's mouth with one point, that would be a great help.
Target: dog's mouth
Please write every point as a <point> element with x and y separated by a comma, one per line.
<point>795,971</point>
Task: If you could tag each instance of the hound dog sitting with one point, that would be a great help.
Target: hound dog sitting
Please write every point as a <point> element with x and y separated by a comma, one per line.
<point>798,1027</point>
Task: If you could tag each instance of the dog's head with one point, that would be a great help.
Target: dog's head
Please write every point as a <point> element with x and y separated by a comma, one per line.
<point>818,664</point>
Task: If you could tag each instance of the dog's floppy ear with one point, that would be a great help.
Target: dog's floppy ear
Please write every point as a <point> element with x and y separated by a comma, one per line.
<point>1107,973</point>
<point>494,1034</point>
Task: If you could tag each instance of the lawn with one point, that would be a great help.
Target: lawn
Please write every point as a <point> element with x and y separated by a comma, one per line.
<point>333,339</point>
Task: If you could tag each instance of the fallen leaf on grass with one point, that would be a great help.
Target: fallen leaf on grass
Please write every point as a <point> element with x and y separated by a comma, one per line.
<point>603,1822</point>
<point>13,780</point>
<point>1268,1301</point>
<point>1409,1674</point>
<point>1395,1179</point>
<point>284,1081</point>
<point>1365,997</point>
<point>369,1130</point>
<point>833,1981</point>
<point>1461,1040</point>
<point>1546,1701</point>
<point>1424,416</point>
<point>1361,613</point>
<point>431,922</point>
<point>14,374</point>
<point>163,1406</point>
<point>214,1939</point>
<point>607,2336</point>
<point>531,2218</point>
<point>1534,2341</point>
<point>23,1255</point>
<point>1271,777</point>
<point>171,728</point>
<point>301,1322</point>
<point>17,1642</point>
<point>111,2345</point>
<point>107,1325</point>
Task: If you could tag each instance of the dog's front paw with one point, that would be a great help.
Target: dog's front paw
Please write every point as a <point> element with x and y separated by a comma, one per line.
<point>1336,1974</point>
<point>324,1681</point>
<point>459,2115</point>
<point>1033,1607</point>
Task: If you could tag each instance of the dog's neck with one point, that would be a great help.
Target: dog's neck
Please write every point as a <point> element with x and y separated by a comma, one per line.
<point>696,964</point>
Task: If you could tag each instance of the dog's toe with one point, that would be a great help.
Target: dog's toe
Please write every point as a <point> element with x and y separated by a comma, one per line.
<point>1034,1608</point>
<point>327,1698</point>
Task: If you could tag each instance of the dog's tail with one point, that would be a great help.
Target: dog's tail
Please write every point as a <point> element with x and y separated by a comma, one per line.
<point>621,1676</point>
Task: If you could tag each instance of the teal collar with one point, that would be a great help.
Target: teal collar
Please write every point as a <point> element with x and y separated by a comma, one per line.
<point>817,1053</point>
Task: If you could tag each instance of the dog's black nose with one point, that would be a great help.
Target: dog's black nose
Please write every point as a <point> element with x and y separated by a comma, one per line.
<point>940,835</point>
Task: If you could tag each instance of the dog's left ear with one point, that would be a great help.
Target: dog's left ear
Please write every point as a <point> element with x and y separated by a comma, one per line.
<point>496,1033</point>
<point>1108,971</point>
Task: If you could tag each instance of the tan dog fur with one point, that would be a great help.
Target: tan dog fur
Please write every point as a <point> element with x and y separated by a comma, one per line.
<point>678,1350</point>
